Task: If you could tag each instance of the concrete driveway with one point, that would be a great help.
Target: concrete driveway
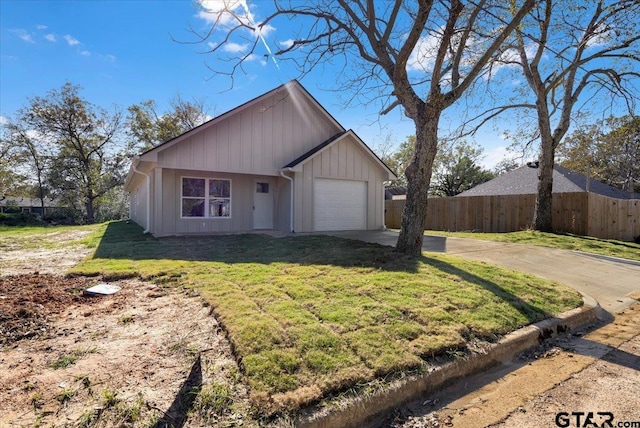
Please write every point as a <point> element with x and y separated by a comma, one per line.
<point>609,280</point>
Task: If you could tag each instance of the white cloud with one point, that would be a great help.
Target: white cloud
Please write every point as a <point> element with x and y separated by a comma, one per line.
<point>494,156</point>
<point>85,53</point>
<point>23,35</point>
<point>286,44</point>
<point>41,27</point>
<point>509,59</point>
<point>601,36</point>
<point>235,47</point>
<point>423,54</point>
<point>50,37</point>
<point>231,13</point>
<point>257,58</point>
<point>71,40</point>
<point>224,12</point>
<point>265,30</point>
<point>3,120</point>
<point>110,58</point>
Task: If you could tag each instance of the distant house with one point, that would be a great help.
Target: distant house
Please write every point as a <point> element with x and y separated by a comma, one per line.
<point>27,205</point>
<point>524,181</point>
<point>395,192</point>
<point>277,162</point>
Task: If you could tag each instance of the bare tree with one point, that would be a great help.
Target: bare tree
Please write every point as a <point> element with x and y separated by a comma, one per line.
<point>570,51</point>
<point>422,55</point>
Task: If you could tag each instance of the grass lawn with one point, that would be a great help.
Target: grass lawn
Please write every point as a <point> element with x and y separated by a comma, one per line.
<point>587,244</point>
<point>312,316</point>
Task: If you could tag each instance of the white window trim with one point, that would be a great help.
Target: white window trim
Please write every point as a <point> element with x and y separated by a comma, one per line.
<point>206,198</point>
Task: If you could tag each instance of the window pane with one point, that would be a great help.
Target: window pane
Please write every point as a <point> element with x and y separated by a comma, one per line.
<point>220,188</point>
<point>193,187</point>
<point>192,207</point>
<point>262,187</point>
<point>219,208</point>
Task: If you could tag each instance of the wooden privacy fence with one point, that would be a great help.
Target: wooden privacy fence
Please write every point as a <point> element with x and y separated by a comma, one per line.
<point>586,214</point>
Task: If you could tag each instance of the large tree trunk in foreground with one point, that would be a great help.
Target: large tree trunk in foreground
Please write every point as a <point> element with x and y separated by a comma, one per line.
<point>543,215</point>
<point>419,178</point>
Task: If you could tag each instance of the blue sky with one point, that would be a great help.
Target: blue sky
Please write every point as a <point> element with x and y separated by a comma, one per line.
<point>121,52</point>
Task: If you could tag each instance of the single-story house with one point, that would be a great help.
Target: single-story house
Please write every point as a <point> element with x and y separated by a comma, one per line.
<point>28,205</point>
<point>395,192</point>
<point>524,181</point>
<point>277,162</point>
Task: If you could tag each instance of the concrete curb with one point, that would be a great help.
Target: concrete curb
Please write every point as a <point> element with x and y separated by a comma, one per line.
<point>358,411</point>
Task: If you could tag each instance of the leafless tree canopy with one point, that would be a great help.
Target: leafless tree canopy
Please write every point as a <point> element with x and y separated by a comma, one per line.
<point>421,56</point>
<point>395,48</point>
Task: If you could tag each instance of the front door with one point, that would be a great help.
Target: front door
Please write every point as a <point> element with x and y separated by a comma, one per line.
<point>263,205</point>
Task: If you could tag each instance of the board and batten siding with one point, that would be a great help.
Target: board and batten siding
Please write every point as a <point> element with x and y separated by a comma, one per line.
<point>345,160</point>
<point>167,203</point>
<point>138,203</point>
<point>258,139</point>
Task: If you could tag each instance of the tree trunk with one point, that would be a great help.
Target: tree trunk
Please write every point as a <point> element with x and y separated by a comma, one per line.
<point>418,174</point>
<point>543,216</point>
<point>89,207</point>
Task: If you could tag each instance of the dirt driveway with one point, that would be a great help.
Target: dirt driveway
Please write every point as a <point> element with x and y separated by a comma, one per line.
<point>146,356</point>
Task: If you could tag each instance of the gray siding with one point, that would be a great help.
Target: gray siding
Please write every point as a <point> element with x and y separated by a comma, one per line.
<point>138,207</point>
<point>253,142</point>
<point>343,160</point>
<point>259,139</point>
<point>168,204</point>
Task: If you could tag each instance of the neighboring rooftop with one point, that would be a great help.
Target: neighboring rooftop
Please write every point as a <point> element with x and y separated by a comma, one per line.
<point>523,181</point>
<point>20,201</point>
<point>393,192</point>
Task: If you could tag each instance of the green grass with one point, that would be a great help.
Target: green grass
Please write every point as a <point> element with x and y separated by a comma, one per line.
<point>312,316</point>
<point>606,247</point>
<point>69,359</point>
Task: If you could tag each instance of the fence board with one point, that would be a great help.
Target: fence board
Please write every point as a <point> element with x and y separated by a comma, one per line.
<point>578,213</point>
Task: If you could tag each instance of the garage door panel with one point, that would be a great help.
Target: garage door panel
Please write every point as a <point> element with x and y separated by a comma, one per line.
<point>340,205</point>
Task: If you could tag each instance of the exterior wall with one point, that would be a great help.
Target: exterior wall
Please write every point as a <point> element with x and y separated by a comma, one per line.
<point>343,160</point>
<point>167,203</point>
<point>258,139</point>
<point>283,205</point>
<point>138,207</point>
<point>138,201</point>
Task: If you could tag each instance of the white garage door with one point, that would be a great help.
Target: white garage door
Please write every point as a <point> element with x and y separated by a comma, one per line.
<point>339,204</point>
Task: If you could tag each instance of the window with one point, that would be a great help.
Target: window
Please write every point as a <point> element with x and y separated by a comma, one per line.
<point>262,187</point>
<point>219,198</point>
<point>198,193</point>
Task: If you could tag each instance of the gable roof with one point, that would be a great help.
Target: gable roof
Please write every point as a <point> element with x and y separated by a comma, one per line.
<point>524,181</point>
<point>333,140</point>
<point>286,86</point>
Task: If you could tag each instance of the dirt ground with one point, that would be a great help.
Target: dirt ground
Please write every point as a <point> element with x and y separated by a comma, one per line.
<point>570,377</point>
<point>609,385</point>
<point>15,259</point>
<point>146,356</point>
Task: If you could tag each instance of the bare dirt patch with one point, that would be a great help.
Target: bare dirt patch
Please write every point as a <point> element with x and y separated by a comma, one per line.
<point>55,256</point>
<point>149,355</point>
